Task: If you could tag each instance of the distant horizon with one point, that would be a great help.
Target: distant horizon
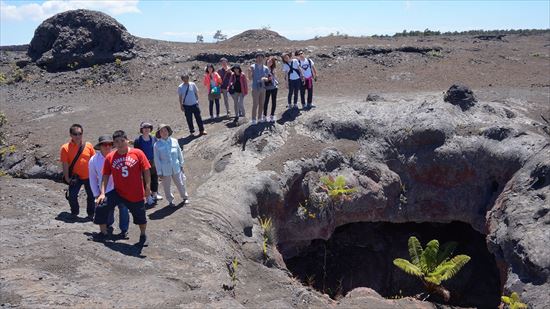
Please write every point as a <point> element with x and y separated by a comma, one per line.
<point>499,31</point>
<point>298,20</point>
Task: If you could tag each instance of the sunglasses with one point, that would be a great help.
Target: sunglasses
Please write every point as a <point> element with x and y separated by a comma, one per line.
<point>107,144</point>
<point>76,134</point>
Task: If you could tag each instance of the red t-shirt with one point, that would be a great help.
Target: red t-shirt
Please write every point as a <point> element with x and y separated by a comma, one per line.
<point>127,170</point>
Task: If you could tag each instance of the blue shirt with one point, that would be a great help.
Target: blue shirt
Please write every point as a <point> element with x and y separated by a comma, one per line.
<point>146,146</point>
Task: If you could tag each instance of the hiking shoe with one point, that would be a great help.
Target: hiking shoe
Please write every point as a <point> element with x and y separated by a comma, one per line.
<point>203,133</point>
<point>157,197</point>
<point>122,235</point>
<point>185,201</point>
<point>295,106</point>
<point>143,240</point>
<point>99,237</point>
<point>110,230</point>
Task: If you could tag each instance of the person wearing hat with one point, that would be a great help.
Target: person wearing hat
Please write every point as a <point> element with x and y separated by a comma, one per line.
<point>169,163</point>
<point>238,88</point>
<point>95,167</point>
<point>145,143</point>
<point>309,75</point>
<point>188,95</point>
<point>225,74</point>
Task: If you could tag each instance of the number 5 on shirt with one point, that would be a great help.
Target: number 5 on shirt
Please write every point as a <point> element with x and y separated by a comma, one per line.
<point>124,171</point>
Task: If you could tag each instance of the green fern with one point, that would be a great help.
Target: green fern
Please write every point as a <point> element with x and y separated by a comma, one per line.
<point>431,264</point>
<point>513,301</point>
<point>337,188</point>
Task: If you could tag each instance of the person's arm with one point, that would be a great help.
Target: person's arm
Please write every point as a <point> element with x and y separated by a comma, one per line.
<point>314,70</point>
<point>249,72</point>
<point>180,157</point>
<point>147,180</point>
<point>180,102</point>
<point>196,92</point>
<point>93,176</point>
<point>101,196</point>
<point>66,172</point>
<point>156,159</point>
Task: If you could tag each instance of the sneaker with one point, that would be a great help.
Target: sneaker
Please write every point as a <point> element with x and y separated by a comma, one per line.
<point>203,133</point>
<point>122,235</point>
<point>217,116</point>
<point>289,106</point>
<point>143,240</point>
<point>185,201</point>
<point>210,118</point>
<point>99,237</point>
<point>254,121</point>
<point>312,105</point>
<point>110,230</point>
<point>295,106</point>
<point>157,197</point>
<point>150,200</point>
<point>272,118</point>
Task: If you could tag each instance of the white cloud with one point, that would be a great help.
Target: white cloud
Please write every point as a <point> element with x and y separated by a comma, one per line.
<point>408,4</point>
<point>39,12</point>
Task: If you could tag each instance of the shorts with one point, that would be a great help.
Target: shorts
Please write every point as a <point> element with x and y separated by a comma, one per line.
<point>137,209</point>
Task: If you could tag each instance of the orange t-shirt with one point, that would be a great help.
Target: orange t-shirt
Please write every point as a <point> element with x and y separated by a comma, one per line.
<point>69,150</point>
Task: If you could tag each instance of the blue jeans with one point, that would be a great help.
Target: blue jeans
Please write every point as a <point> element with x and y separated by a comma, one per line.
<point>123,218</point>
<point>293,90</point>
<point>74,188</point>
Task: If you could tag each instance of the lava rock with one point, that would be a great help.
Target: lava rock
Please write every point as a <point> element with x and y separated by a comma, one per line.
<point>460,95</point>
<point>79,38</point>
<point>373,97</point>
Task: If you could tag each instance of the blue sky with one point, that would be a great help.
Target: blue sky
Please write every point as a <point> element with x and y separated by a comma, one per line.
<point>298,19</point>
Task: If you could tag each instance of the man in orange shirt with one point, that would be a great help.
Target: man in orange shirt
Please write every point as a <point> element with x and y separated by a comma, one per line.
<point>78,174</point>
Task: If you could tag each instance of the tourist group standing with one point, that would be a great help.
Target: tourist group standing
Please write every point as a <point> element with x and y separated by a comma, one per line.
<point>115,175</point>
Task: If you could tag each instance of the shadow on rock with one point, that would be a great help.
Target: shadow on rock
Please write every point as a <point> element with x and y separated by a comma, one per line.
<point>67,217</point>
<point>289,115</point>
<point>254,131</point>
<point>165,212</point>
<point>124,248</point>
<point>186,140</point>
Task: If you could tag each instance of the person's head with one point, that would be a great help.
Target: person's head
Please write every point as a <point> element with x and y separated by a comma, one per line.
<point>76,132</point>
<point>236,69</point>
<point>224,62</point>
<point>209,69</point>
<point>300,54</point>
<point>260,58</point>
<point>185,77</point>
<point>286,57</point>
<point>145,128</point>
<point>271,63</point>
<point>104,144</point>
<point>164,131</point>
<point>120,140</point>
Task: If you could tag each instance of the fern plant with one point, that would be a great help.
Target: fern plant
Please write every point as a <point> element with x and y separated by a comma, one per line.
<point>267,227</point>
<point>432,265</point>
<point>337,188</point>
<point>513,301</point>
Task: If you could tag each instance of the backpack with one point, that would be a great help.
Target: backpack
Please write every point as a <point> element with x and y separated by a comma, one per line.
<point>308,61</point>
<point>292,69</point>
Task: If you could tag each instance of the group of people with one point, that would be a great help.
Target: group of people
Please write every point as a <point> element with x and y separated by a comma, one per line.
<point>117,175</point>
<point>298,71</point>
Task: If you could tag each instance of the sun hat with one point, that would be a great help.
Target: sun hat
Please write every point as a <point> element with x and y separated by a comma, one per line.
<point>162,125</point>
<point>144,125</point>
<point>236,66</point>
<point>103,139</point>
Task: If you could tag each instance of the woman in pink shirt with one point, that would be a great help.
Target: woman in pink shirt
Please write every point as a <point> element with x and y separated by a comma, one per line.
<point>212,82</point>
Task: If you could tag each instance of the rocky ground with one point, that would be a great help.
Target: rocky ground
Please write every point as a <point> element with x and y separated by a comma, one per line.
<point>413,157</point>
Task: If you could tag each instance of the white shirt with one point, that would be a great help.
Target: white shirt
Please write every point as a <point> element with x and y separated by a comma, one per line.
<point>95,168</point>
<point>191,98</point>
<point>306,68</point>
<point>294,75</point>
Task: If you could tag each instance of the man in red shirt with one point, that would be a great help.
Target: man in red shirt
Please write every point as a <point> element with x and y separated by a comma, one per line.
<point>130,169</point>
<point>76,175</point>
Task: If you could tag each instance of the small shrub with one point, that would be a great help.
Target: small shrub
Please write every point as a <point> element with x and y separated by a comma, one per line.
<point>337,188</point>
<point>513,301</point>
<point>267,228</point>
<point>118,62</point>
<point>435,53</point>
<point>8,150</point>
<point>73,66</point>
<point>3,78</point>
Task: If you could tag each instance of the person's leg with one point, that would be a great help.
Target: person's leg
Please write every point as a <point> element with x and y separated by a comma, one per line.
<point>310,93</point>
<point>137,209</point>
<point>90,200</point>
<point>102,215</point>
<point>235,98</point>
<point>255,101</point>
<point>189,118</point>
<point>179,180</point>
<point>166,181</point>
<point>266,101</point>
<point>261,100</point>
<point>241,105</point>
<point>154,179</point>
<point>273,102</point>
<point>226,101</point>
<point>123,218</point>
<point>211,108</point>
<point>217,107</point>
<point>289,104</point>
<point>196,111</point>
<point>303,94</point>
<point>74,188</point>
<point>295,89</point>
